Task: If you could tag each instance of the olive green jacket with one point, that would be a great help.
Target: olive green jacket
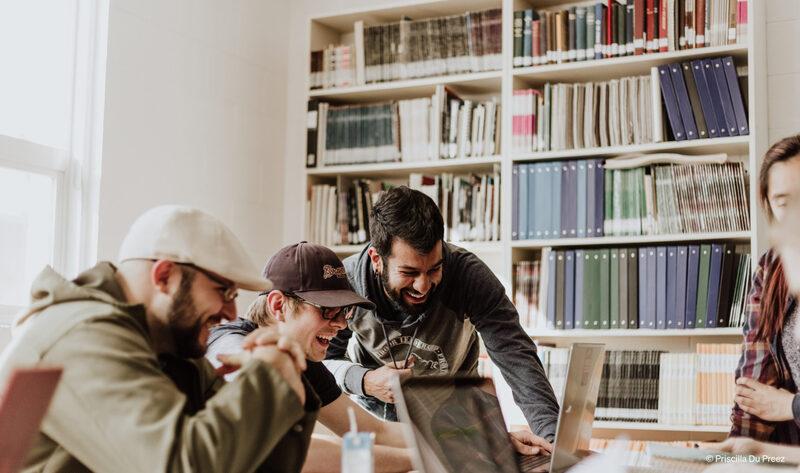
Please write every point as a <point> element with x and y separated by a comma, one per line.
<point>115,410</point>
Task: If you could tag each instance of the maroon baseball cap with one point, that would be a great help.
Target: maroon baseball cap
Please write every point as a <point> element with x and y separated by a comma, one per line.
<point>313,273</point>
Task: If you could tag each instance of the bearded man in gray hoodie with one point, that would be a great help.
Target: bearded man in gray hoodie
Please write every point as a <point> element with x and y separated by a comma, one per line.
<point>432,300</point>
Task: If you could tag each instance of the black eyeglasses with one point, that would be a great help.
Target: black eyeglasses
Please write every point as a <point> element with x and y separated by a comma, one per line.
<point>228,291</point>
<point>327,313</point>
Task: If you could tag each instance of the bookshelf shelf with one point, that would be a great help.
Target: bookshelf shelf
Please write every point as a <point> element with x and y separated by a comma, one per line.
<point>474,246</point>
<point>477,83</point>
<point>606,425</point>
<point>641,332</point>
<point>482,163</point>
<point>734,145</point>
<point>630,240</point>
<point>620,67</point>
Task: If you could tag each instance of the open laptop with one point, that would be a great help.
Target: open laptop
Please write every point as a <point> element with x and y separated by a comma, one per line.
<point>23,405</point>
<point>455,424</point>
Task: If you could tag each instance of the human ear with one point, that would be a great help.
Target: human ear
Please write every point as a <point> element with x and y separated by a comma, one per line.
<point>160,273</point>
<point>375,259</point>
<point>276,301</point>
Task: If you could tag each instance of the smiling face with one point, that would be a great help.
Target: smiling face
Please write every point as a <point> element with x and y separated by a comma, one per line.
<point>196,306</point>
<point>409,278</point>
<point>304,323</point>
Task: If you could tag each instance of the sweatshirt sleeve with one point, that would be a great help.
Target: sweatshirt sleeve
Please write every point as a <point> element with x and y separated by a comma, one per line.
<point>349,376</point>
<point>114,410</point>
<point>509,347</point>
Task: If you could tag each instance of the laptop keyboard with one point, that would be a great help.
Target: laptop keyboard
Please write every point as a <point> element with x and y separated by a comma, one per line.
<point>529,463</point>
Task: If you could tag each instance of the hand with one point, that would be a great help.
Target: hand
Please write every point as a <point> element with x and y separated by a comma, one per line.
<point>763,401</point>
<point>272,336</point>
<point>527,443</point>
<point>378,382</point>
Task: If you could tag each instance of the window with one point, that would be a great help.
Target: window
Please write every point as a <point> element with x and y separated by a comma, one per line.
<point>51,91</point>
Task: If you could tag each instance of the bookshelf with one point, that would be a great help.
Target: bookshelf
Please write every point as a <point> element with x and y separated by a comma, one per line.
<point>502,255</point>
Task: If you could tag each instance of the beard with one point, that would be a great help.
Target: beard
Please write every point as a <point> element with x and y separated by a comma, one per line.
<point>396,296</point>
<point>184,323</point>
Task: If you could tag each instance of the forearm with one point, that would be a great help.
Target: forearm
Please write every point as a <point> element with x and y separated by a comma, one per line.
<point>325,456</point>
<point>391,435</point>
<point>349,376</point>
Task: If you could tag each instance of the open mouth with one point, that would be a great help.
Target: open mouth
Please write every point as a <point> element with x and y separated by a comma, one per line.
<point>324,340</point>
<point>415,299</point>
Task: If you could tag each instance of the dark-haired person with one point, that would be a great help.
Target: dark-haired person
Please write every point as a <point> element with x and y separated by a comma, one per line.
<point>310,302</point>
<point>433,299</point>
<point>767,406</point>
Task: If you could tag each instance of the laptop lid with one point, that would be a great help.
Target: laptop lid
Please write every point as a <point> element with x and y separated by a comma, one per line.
<point>454,424</point>
<point>23,405</point>
<point>576,416</point>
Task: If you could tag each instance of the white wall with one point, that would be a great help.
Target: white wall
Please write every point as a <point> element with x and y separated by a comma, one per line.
<point>783,68</point>
<point>195,114</point>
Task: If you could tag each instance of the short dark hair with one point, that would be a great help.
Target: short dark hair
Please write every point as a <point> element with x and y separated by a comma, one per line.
<point>406,214</point>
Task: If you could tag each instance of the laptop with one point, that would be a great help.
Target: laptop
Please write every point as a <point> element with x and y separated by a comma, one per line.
<point>455,425</point>
<point>23,405</point>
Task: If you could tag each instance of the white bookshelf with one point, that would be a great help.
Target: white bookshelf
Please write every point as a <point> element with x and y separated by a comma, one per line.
<point>501,255</point>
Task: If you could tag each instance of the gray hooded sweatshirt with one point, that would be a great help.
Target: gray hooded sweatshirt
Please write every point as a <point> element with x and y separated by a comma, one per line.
<point>469,301</point>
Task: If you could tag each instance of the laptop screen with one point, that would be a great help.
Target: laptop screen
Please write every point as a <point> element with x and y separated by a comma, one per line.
<point>458,425</point>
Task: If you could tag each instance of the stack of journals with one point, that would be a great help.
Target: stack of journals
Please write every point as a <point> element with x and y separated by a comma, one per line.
<point>332,67</point>
<point>618,112</point>
<point>586,199</point>
<point>624,27</point>
<point>442,126</point>
<point>470,42</point>
<point>698,388</point>
<point>663,287</point>
<point>629,387</point>
<point>703,99</point>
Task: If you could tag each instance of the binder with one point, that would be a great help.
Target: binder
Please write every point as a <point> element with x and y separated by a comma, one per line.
<point>578,319</point>
<point>599,192</point>
<point>727,282</point>
<point>551,290</point>
<point>694,100</point>
<point>605,289</point>
<point>703,92</point>
<point>684,105</point>
<point>671,103</point>
<point>661,287</point>
<point>569,287</point>
<point>716,101</point>
<point>702,286</point>
<point>672,276</point>
<point>633,288</point>
<point>518,203</point>
<point>590,197</point>
<point>642,280</point>
<point>582,200</point>
<point>623,288</point>
<point>682,254</point>
<point>714,279</point>
<point>739,110</point>
<point>536,216</point>
<point>651,288</point>
<point>692,279</point>
<point>591,296</point>
<point>725,96</point>
<point>555,194</point>
<point>613,296</point>
<point>522,202</point>
<point>560,284</point>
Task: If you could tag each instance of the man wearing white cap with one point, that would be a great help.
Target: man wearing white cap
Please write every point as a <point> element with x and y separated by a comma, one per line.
<point>136,394</point>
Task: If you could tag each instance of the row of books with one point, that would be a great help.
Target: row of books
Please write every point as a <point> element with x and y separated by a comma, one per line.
<point>469,42</point>
<point>694,388</point>
<point>661,287</point>
<point>706,376</point>
<point>625,27</point>
<point>470,206</point>
<point>672,199</point>
<point>585,115</point>
<point>587,199</point>
<point>703,99</point>
<point>442,126</point>
<point>332,67</point>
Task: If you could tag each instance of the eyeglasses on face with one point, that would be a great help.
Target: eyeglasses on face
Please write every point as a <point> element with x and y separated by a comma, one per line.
<point>327,313</point>
<point>228,291</point>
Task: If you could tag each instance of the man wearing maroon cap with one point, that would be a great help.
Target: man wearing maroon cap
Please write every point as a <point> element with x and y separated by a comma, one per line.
<point>310,302</point>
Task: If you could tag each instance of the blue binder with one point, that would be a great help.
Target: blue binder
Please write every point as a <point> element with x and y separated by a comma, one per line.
<point>680,286</point>
<point>739,110</point>
<point>714,276</point>
<point>580,256</point>
<point>684,105</point>
<point>709,114</point>
<point>569,286</point>
<point>716,100</point>
<point>516,202</point>
<point>671,103</point>
<point>725,96</point>
<point>661,287</point>
<point>692,270</point>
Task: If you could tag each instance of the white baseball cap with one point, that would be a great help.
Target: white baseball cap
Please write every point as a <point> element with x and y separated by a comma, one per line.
<point>191,236</point>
